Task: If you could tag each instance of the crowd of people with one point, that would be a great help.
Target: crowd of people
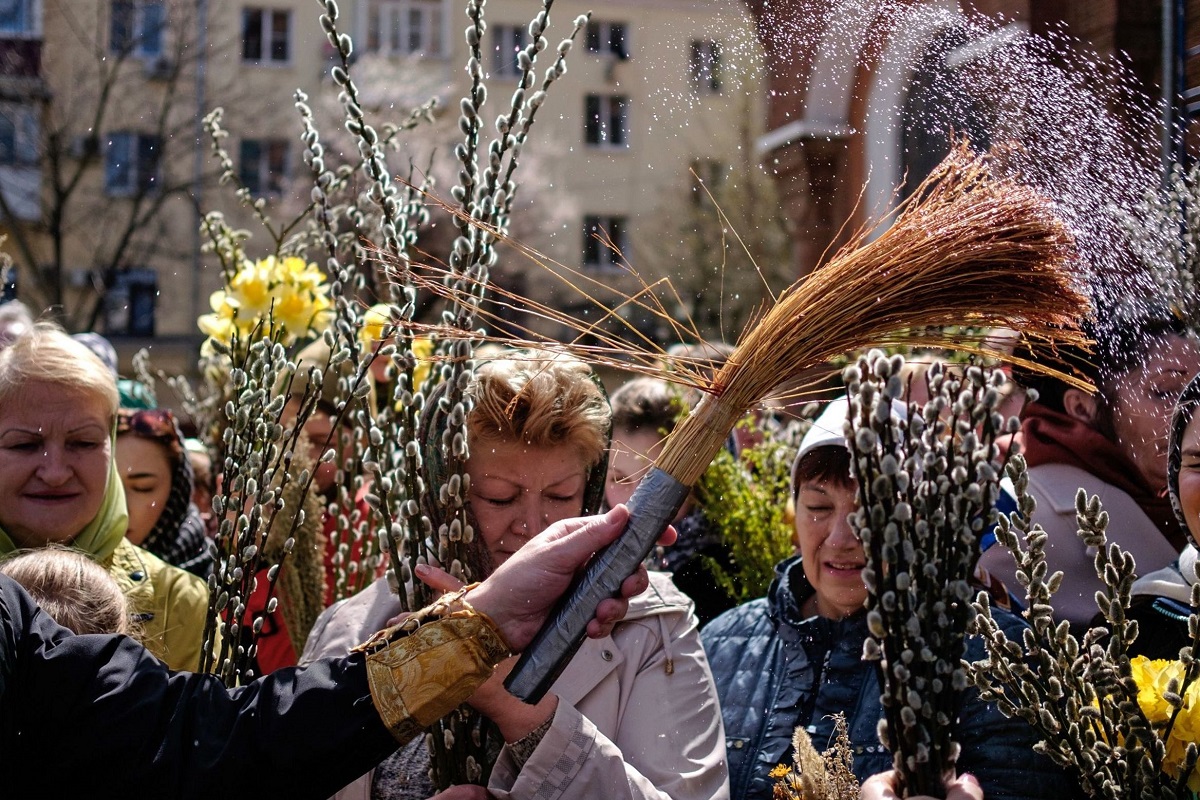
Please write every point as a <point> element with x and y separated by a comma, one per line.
<point>106,523</point>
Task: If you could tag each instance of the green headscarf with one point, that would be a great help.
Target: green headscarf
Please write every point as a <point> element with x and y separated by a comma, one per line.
<point>100,537</point>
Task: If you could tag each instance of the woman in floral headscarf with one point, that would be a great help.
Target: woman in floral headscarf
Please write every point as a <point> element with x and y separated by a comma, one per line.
<point>157,476</point>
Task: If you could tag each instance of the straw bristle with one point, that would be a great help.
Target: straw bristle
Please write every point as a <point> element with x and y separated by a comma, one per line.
<point>969,248</point>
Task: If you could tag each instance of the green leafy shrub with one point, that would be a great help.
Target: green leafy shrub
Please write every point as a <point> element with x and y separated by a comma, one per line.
<point>745,498</point>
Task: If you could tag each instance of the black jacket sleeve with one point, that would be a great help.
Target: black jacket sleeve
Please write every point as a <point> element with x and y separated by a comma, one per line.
<point>98,716</point>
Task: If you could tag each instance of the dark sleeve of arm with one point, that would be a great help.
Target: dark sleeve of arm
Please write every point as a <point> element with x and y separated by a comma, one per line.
<point>998,750</point>
<point>97,716</point>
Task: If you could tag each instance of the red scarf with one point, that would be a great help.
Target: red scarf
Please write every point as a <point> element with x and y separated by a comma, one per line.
<point>1054,438</point>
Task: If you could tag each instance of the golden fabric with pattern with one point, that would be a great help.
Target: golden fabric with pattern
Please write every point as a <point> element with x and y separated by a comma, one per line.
<point>423,668</point>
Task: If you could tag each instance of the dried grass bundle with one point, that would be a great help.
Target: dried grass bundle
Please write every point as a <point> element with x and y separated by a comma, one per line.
<point>968,248</point>
<point>816,775</point>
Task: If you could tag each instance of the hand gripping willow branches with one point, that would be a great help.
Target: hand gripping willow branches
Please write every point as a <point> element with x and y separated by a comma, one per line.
<point>969,247</point>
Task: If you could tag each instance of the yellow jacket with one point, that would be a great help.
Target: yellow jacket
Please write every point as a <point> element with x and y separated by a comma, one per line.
<point>168,603</point>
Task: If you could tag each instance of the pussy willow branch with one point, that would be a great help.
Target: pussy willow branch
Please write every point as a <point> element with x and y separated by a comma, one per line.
<point>1080,696</point>
<point>926,484</point>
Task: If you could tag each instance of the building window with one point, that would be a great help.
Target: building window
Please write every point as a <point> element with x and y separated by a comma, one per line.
<point>266,36</point>
<point>704,66</point>
<point>708,175</point>
<point>20,156</point>
<point>263,165</point>
<point>130,302</point>
<point>606,120</point>
<point>933,108</point>
<point>605,241</point>
<point>509,40</point>
<point>137,28</point>
<point>131,164</point>
<point>18,135</point>
<point>608,37</point>
<point>407,27</point>
<point>17,16</point>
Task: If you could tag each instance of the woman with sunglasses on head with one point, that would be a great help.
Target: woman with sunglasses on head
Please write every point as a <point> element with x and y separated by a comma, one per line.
<point>157,475</point>
<point>59,484</point>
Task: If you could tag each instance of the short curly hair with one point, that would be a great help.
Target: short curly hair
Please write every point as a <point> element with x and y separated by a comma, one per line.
<point>543,400</point>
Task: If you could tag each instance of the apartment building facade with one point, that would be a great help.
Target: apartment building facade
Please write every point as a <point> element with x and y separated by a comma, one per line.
<point>105,171</point>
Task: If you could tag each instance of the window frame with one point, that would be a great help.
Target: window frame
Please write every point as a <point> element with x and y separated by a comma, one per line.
<point>121,300</point>
<point>615,119</point>
<point>597,256</point>
<point>134,42</point>
<point>266,36</point>
<point>518,38</point>
<point>272,169</point>
<point>27,21</point>
<point>710,173</point>
<point>598,39</point>
<point>704,66</point>
<point>389,31</point>
<point>144,151</point>
<point>26,134</point>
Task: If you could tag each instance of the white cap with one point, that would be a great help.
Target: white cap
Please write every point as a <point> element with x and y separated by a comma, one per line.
<point>829,429</point>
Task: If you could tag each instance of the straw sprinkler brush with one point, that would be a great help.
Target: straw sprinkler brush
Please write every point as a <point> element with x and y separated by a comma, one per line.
<point>970,247</point>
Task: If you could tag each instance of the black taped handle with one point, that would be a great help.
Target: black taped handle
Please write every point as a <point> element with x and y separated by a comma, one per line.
<point>654,504</point>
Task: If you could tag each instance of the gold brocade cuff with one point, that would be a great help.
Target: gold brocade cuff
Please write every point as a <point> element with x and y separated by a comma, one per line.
<point>423,668</point>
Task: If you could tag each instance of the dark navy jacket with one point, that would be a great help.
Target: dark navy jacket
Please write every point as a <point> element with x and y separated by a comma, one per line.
<point>1162,626</point>
<point>776,670</point>
<point>98,717</point>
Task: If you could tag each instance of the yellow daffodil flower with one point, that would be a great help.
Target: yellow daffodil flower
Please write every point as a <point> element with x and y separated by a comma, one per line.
<point>1153,677</point>
<point>288,297</point>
